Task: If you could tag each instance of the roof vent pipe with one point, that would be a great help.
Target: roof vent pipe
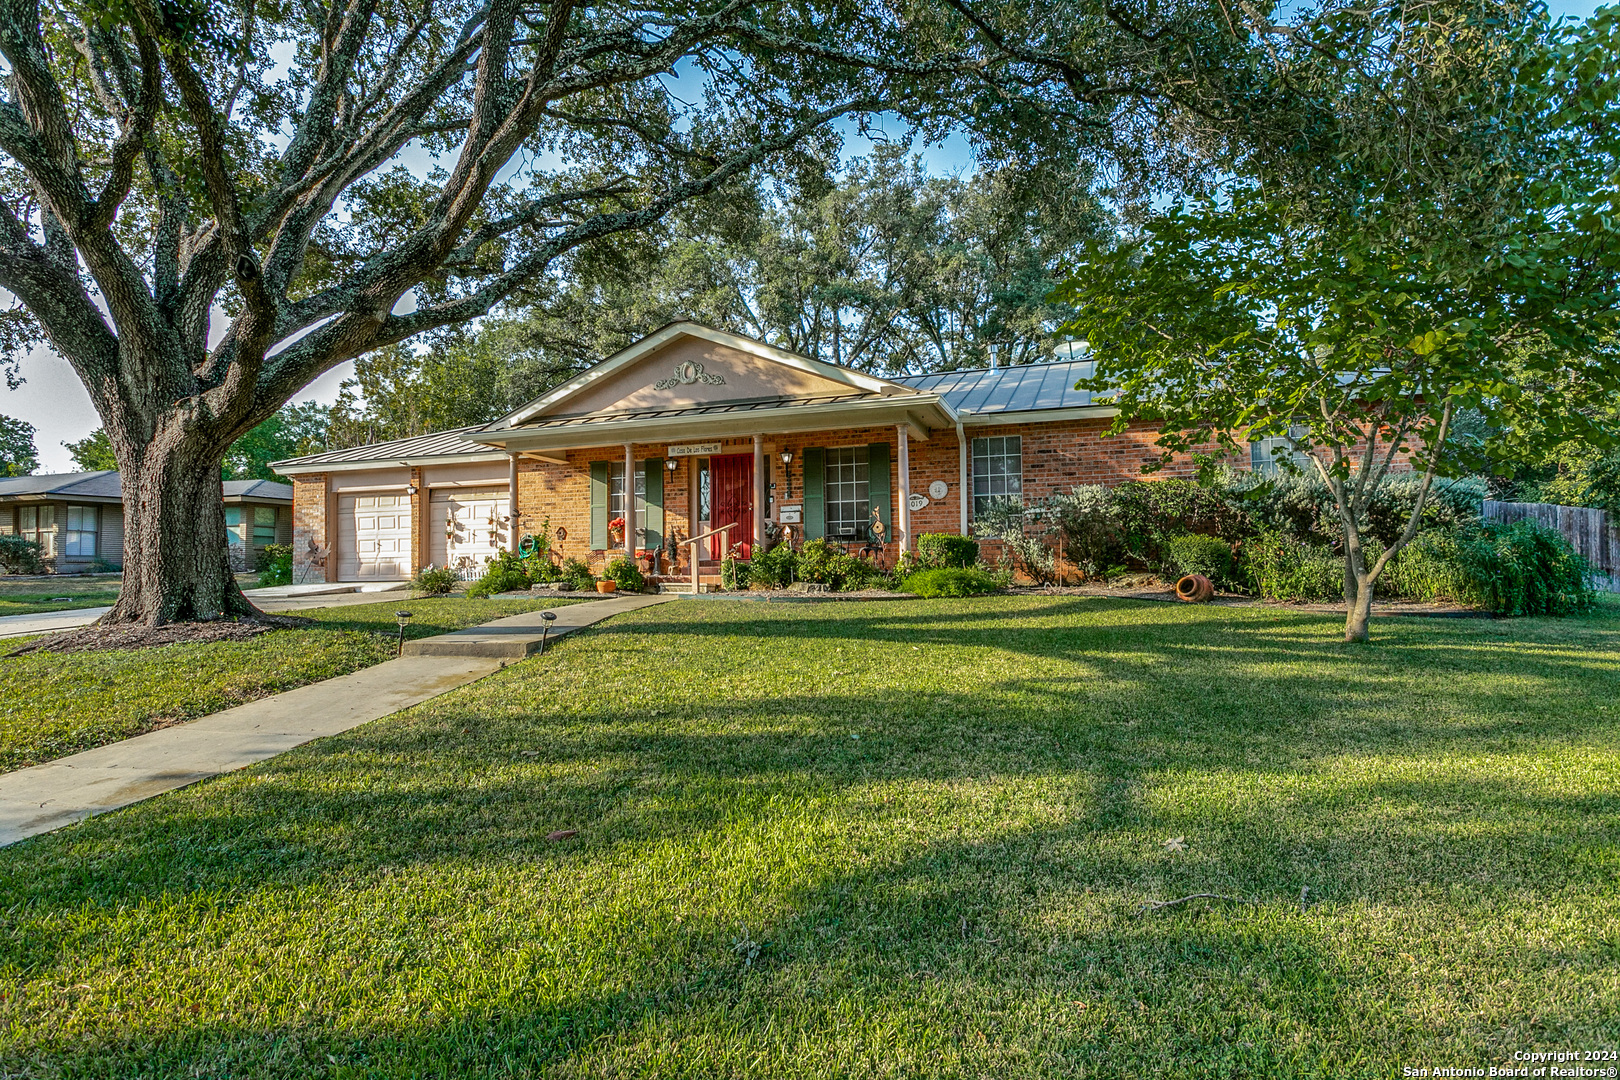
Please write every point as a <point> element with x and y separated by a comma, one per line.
<point>992,356</point>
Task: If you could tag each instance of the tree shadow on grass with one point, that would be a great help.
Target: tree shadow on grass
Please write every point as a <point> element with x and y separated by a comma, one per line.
<point>1021,810</point>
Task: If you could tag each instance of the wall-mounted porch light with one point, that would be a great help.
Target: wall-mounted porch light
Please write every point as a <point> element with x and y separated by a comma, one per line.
<point>672,464</point>
<point>787,474</point>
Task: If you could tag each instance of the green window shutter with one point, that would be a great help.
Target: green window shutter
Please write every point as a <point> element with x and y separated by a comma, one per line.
<point>599,505</point>
<point>815,506</point>
<point>654,524</point>
<point>877,486</point>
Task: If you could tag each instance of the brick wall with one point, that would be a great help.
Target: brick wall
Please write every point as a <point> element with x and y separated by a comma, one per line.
<point>1056,457</point>
<point>309,521</point>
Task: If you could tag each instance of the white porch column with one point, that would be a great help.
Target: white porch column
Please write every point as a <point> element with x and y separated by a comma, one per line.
<point>511,504</point>
<point>630,501</point>
<point>759,492</point>
<point>905,488</point>
<point>963,495</point>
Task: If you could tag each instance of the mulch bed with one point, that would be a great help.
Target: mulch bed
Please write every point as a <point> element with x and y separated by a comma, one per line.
<point>94,638</point>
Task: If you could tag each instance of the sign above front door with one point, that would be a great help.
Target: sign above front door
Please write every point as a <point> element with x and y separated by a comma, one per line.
<point>701,449</point>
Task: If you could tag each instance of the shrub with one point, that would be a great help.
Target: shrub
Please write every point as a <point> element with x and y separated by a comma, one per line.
<point>20,556</point>
<point>1149,512</point>
<point>1511,569</point>
<point>541,569</point>
<point>1283,568</point>
<point>1088,521</point>
<point>1191,553</point>
<point>773,569</point>
<point>577,572</point>
<point>1301,505</point>
<point>1025,533</point>
<point>734,573</point>
<point>503,572</point>
<point>275,565</point>
<point>626,574</point>
<point>939,550</point>
<point>434,581</point>
<point>822,562</point>
<point>949,581</point>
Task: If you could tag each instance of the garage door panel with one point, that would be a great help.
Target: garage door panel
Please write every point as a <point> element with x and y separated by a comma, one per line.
<point>374,537</point>
<point>466,524</point>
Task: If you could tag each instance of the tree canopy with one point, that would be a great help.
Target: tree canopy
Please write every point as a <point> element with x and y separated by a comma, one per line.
<point>18,456</point>
<point>1433,237</point>
<point>93,452</point>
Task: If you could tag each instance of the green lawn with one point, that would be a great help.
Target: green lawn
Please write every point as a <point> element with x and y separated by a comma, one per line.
<point>53,704</point>
<point>888,839</point>
<point>33,595</point>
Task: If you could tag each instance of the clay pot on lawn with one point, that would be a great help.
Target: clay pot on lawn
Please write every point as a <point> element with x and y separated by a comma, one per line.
<point>1194,589</point>
<point>607,585</point>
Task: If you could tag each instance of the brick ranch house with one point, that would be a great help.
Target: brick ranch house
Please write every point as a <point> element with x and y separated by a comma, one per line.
<point>714,429</point>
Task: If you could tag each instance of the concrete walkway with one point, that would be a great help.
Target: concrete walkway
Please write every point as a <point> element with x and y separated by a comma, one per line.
<point>517,636</point>
<point>58,793</point>
<point>285,598</point>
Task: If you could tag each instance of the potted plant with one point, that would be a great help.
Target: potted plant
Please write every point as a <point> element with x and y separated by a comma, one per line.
<point>616,530</point>
<point>606,585</point>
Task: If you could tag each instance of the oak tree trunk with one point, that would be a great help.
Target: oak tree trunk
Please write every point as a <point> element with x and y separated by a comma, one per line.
<point>177,565</point>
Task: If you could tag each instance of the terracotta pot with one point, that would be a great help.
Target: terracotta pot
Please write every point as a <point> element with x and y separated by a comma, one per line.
<point>606,586</point>
<point>1194,589</point>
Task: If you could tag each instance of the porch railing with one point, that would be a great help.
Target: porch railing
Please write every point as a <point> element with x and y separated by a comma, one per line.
<point>721,532</point>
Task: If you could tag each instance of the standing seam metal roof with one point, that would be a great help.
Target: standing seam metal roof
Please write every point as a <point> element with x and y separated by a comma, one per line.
<point>1019,388</point>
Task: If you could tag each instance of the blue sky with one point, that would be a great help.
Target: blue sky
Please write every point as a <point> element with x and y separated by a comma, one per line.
<point>53,400</point>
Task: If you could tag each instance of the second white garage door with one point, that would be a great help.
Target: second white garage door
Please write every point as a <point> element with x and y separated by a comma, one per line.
<point>468,524</point>
<point>374,537</point>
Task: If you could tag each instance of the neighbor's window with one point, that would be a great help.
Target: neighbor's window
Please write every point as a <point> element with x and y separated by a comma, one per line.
<point>233,526</point>
<point>845,493</point>
<point>998,471</point>
<point>1267,455</point>
<point>616,498</point>
<point>79,537</point>
<point>38,523</point>
<point>264,525</point>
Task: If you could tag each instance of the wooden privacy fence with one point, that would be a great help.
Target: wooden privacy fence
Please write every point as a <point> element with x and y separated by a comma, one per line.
<point>1590,532</point>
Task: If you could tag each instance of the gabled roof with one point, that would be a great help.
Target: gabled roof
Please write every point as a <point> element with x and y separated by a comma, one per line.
<point>107,485</point>
<point>556,399</point>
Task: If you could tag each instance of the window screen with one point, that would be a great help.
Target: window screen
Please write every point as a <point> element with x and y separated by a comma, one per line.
<point>998,471</point>
<point>845,492</point>
<point>79,537</point>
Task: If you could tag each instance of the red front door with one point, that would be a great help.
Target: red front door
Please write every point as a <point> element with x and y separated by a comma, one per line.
<point>731,477</point>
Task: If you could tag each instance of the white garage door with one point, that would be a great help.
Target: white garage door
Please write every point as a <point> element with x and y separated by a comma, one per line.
<point>374,537</point>
<point>469,524</point>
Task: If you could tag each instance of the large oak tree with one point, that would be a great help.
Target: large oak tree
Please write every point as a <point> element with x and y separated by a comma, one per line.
<point>202,207</point>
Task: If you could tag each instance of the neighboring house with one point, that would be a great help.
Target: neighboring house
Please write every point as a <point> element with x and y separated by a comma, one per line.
<point>712,428</point>
<point>78,518</point>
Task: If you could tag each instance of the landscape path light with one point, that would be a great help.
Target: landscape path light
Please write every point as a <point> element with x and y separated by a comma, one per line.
<point>402,617</point>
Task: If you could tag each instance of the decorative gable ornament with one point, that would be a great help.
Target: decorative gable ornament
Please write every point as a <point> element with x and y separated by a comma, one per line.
<point>686,373</point>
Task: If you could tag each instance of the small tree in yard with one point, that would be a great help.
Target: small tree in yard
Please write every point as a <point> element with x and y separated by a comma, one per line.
<point>1442,245</point>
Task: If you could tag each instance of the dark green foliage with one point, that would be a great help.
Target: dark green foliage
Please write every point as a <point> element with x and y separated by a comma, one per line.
<point>773,569</point>
<point>274,563</point>
<point>1191,553</point>
<point>292,431</point>
<point>504,573</point>
<point>1511,569</point>
<point>18,456</point>
<point>626,574</point>
<point>937,550</point>
<point>824,563</point>
<point>1301,505</point>
<point>577,572</point>
<point>949,581</point>
<point>434,581</point>
<point>1281,567</point>
<point>20,556</point>
<point>735,574</point>
<point>94,452</point>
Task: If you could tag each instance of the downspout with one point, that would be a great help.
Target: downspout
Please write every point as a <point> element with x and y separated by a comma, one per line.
<point>962,494</point>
